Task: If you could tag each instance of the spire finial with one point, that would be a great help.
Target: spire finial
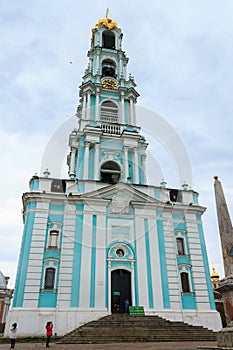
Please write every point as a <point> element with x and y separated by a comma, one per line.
<point>107,13</point>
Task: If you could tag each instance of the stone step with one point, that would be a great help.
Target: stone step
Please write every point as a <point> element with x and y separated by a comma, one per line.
<point>125,328</point>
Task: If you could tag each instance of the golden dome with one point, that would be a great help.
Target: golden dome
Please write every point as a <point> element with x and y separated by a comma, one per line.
<point>214,275</point>
<point>106,22</point>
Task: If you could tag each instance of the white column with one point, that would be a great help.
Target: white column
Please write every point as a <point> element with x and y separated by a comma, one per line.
<point>84,107</point>
<point>134,114</point>
<point>135,166</point>
<point>91,63</point>
<point>96,161</point>
<point>131,111</point>
<point>72,163</point>
<point>133,284</point>
<point>86,160</point>
<point>85,273</point>
<point>122,108</point>
<point>120,67</point>
<point>144,176</point>
<point>97,102</point>
<point>125,162</point>
<point>141,257</point>
<point>125,71</point>
<point>100,298</point>
<point>78,166</point>
<point>109,287</point>
<point>88,105</point>
<point>97,63</point>
<point>5,309</point>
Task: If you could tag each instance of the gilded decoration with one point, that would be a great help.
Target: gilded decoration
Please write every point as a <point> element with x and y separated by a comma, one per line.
<point>109,84</point>
<point>106,22</point>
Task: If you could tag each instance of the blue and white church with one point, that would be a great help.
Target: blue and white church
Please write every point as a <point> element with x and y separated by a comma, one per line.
<point>104,234</point>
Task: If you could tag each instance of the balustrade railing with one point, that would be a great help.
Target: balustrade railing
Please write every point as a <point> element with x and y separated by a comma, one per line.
<point>113,129</point>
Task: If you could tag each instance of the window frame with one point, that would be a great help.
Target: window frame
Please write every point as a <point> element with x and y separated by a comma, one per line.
<point>52,285</point>
<point>182,251</point>
<point>184,288</point>
<point>51,236</point>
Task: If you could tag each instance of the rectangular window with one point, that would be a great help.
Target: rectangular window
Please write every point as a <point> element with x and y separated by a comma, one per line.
<point>49,278</point>
<point>53,239</point>
<point>185,282</point>
<point>180,246</point>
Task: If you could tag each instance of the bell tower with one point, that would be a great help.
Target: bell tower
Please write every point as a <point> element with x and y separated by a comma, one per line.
<point>103,235</point>
<point>107,146</point>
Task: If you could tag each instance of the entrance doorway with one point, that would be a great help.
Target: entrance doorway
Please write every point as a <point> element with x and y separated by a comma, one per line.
<point>120,290</point>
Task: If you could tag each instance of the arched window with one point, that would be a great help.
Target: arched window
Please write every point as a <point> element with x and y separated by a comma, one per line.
<point>185,282</point>
<point>49,278</point>
<point>180,246</point>
<point>53,239</point>
<point>110,172</point>
<point>108,69</point>
<point>108,40</point>
<point>109,112</point>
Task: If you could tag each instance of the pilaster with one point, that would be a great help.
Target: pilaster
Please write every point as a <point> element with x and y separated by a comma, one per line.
<point>86,160</point>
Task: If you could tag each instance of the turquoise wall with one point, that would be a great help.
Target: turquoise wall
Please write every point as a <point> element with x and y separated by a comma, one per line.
<point>24,256</point>
<point>48,298</point>
<point>130,166</point>
<point>126,110</point>
<point>91,164</point>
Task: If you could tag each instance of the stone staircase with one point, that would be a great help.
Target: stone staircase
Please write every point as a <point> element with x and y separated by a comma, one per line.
<point>119,328</point>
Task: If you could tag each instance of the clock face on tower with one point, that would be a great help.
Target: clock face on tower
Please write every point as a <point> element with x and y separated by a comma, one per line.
<point>109,84</point>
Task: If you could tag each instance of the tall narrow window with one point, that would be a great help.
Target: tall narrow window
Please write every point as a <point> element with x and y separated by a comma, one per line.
<point>53,239</point>
<point>185,282</point>
<point>49,278</point>
<point>180,246</point>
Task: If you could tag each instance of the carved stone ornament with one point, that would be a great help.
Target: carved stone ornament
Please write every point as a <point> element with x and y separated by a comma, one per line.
<point>120,203</point>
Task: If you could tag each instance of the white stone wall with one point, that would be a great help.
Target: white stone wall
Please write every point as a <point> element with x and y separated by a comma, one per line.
<point>35,261</point>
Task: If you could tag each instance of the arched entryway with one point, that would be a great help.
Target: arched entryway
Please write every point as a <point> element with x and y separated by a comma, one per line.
<point>120,290</point>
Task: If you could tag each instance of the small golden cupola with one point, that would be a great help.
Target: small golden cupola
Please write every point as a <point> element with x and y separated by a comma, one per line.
<point>214,275</point>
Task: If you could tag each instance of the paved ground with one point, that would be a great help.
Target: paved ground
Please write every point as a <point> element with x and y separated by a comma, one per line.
<point>115,346</point>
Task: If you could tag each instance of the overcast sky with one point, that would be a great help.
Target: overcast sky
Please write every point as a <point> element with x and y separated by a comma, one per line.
<point>181,55</point>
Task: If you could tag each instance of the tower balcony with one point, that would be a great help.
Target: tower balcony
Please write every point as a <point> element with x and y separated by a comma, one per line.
<point>110,128</point>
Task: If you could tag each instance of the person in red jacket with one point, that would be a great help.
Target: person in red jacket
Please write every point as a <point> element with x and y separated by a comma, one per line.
<point>49,332</point>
